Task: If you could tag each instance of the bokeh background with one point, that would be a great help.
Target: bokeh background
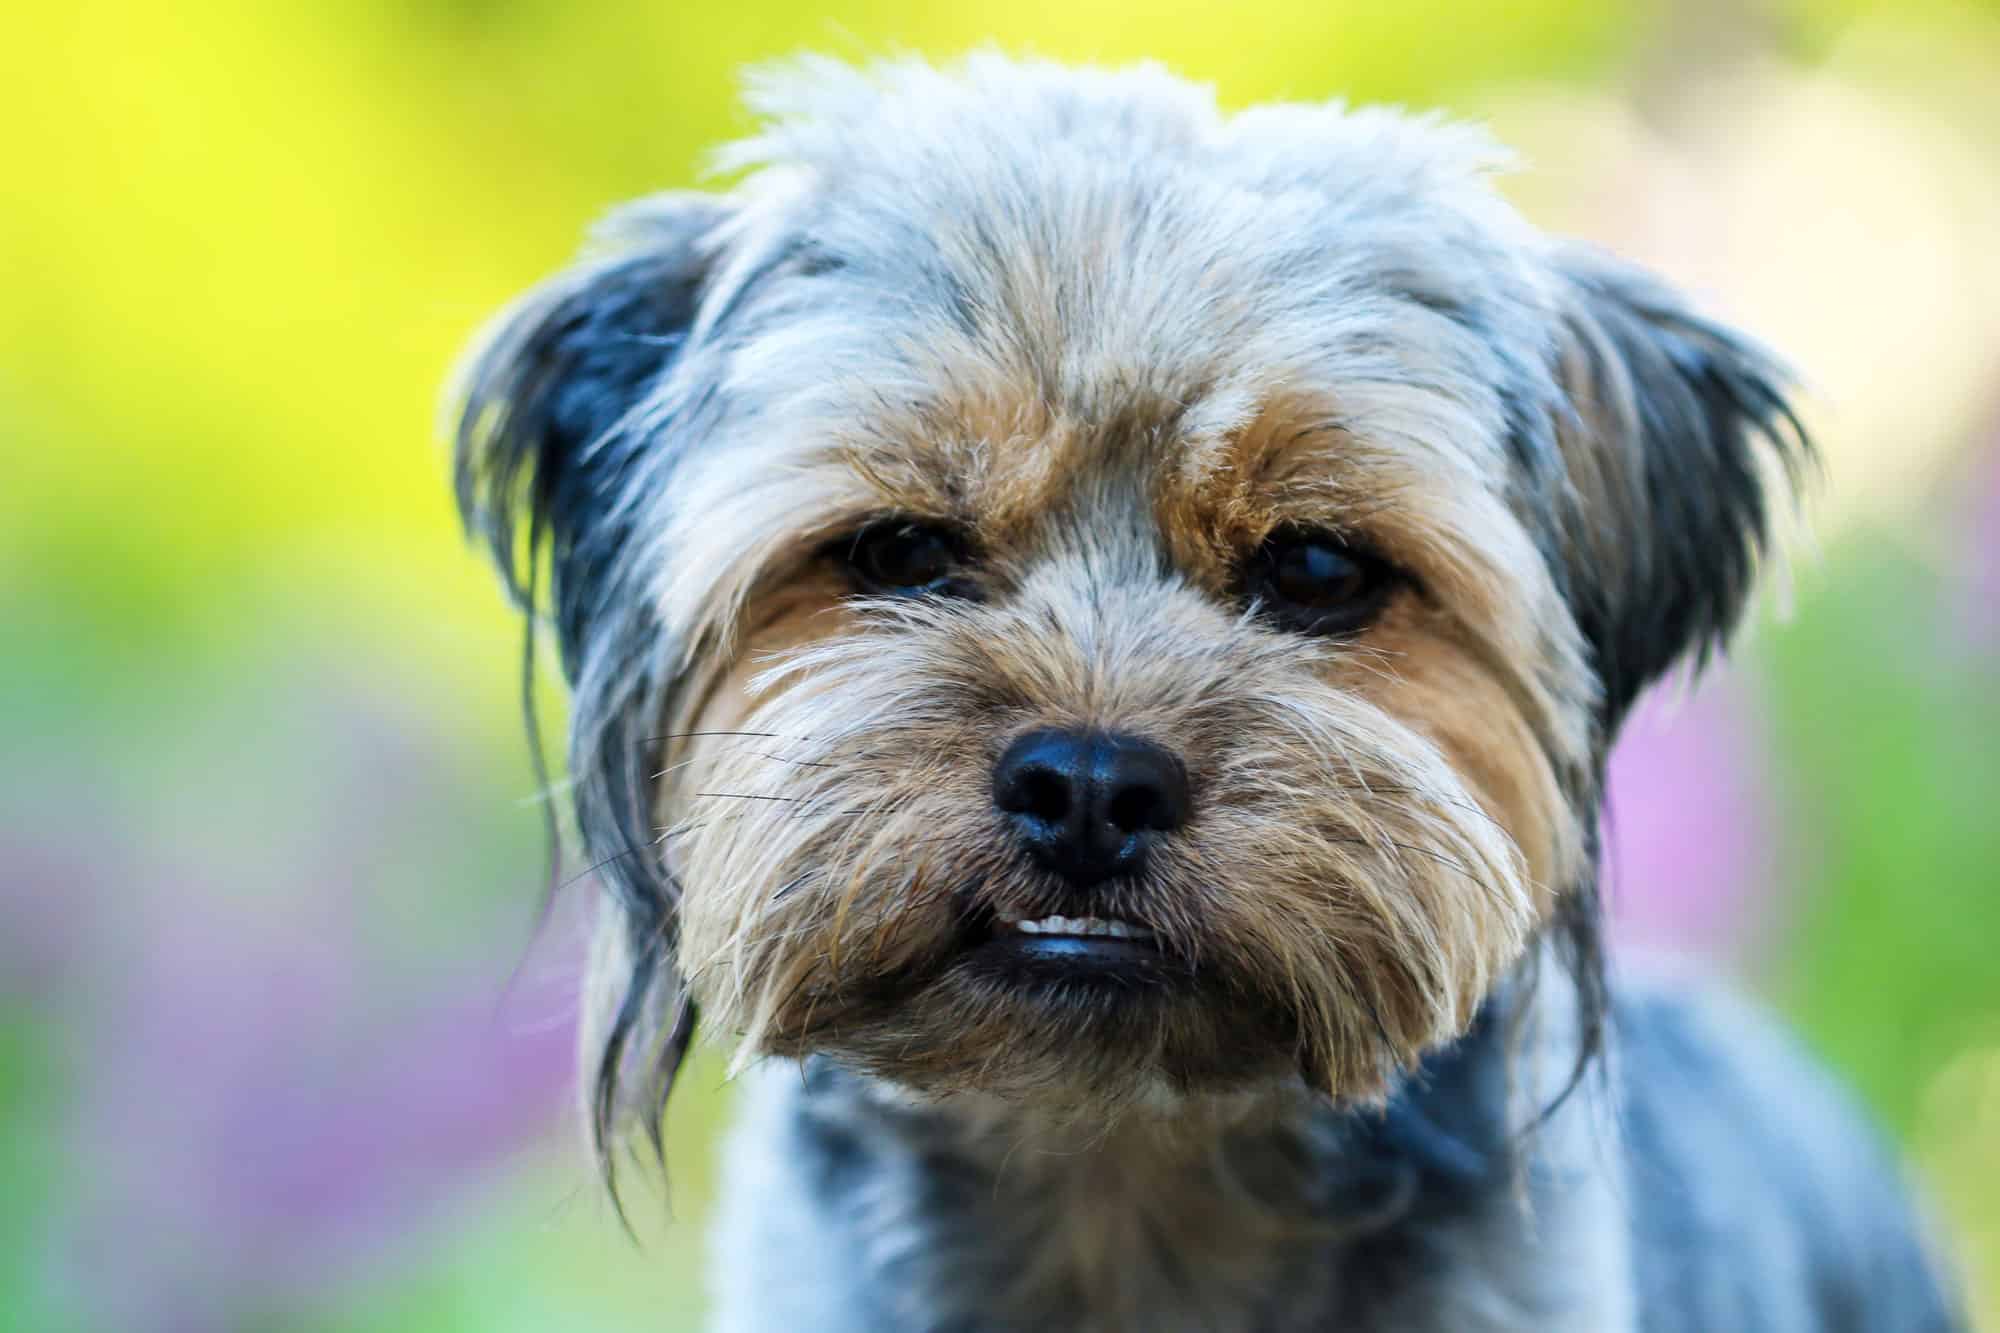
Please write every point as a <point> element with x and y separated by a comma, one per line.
<point>280,1045</point>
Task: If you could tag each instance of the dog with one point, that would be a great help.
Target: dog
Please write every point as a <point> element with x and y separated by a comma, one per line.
<point>1094,627</point>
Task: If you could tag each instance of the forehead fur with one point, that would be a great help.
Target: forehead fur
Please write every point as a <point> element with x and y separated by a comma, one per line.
<point>942,276</point>
<point>1106,233</point>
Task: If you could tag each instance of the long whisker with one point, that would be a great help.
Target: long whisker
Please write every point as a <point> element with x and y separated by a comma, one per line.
<point>1450,862</point>
<point>749,796</point>
<point>1382,789</point>
<point>690,735</point>
<point>791,800</point>
<point>759,754</point>
<point>592,869</point>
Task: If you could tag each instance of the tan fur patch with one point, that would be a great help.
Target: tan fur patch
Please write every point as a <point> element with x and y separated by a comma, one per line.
<point>1424,675</point>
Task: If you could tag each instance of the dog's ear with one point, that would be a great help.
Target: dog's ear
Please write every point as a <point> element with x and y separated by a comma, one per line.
<point>546,387</point>
<point>1675,433</point>
<point>558,454</point>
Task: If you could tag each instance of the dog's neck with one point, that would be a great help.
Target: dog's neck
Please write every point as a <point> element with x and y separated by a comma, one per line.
<point>1269,1211</point>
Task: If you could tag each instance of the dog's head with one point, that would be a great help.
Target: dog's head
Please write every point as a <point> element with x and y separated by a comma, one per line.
<point>1067,592</point>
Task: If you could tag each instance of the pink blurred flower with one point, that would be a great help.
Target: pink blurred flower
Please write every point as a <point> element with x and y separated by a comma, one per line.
<point>256,1127</point>
<point>280,1001</point>
<point>1689,822</point>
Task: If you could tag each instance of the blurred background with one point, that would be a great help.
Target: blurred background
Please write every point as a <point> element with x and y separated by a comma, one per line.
<point>270,846</point>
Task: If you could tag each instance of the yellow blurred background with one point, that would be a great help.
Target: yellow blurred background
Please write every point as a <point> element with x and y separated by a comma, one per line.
<point>271,845</point>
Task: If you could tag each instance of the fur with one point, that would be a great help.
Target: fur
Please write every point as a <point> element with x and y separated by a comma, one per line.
<point>1113,342</point>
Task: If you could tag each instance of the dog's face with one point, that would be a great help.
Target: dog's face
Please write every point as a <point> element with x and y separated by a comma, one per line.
<point>1068,594</point>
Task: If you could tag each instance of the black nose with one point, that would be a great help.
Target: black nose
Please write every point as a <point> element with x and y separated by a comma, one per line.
<point>1088,803</point>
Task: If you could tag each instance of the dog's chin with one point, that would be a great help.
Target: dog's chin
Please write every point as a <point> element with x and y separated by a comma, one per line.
<point>1065,1012</point>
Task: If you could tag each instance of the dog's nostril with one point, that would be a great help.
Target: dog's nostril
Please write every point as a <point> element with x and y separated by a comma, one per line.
<point>1036,779</point>
<point>1144,786</point>
<point>1137,808</point>
<point>1084,801</point>
<point>1038,792</point>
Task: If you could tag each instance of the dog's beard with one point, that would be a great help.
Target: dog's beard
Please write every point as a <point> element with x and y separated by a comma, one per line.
<point>1339,901</point>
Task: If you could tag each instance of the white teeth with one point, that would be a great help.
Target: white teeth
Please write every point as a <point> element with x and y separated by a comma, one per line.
<point>1081,925</point>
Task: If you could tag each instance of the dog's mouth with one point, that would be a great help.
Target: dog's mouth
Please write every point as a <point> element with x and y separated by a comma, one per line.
<point>1071,950</point>
<point>1083,937</point>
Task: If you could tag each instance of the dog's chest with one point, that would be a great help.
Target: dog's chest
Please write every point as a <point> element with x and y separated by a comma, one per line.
<point>1115,1253</point>
<point>847,1221</point>
<point>1106,1240</point>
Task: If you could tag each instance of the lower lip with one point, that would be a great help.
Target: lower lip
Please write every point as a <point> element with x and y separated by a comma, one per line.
<point>1077,948</point>
<point>1023,957</point>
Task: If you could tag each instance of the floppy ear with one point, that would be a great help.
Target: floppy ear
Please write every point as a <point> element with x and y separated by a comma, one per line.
<point>548,384</point>
<point>562,448</point>
<point>1677,433</point>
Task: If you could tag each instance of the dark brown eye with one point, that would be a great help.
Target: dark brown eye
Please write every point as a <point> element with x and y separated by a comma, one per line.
<point>910,559</point>
<point>1315,583</point>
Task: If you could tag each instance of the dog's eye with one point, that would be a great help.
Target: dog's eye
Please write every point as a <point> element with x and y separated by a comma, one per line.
<point>913,559</point>
<point>1316,583</point>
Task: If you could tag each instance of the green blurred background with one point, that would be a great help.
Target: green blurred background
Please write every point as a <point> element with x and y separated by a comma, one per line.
<point>271,845</point>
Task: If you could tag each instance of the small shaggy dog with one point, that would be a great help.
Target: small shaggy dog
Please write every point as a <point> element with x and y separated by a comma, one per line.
<point>1095,627</point>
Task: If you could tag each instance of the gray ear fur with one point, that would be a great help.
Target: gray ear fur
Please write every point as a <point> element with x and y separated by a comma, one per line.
<point>560,456</point>
<point>537,453</point>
